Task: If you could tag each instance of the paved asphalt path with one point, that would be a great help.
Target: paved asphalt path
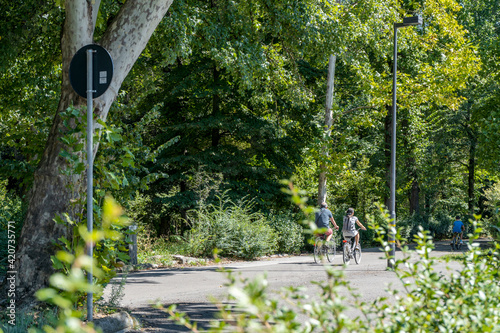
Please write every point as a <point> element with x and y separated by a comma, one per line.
<point>193,288</point>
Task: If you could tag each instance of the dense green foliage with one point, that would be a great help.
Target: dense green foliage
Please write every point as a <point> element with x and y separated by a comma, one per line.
<point>228,98</point>
<point>244,133</point>
<point>30,68</point>
<point>288,231</point>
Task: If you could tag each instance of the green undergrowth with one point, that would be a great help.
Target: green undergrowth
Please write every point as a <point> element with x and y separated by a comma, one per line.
<point>236,230</point>
<point>158,250</point>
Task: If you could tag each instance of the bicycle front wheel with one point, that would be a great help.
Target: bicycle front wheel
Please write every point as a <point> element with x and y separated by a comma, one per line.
<point>357,254</point>
<point>317,251</point>
<point>346,255</point>
<point>331,251</point>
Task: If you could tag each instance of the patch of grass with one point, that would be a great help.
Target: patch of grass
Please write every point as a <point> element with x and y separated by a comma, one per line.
<point>159,250</point>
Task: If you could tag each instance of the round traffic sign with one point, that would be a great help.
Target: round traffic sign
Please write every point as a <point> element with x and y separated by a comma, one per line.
<point>102,70</point>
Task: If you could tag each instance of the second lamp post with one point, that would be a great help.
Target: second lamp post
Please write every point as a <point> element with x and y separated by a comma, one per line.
<point>407,21</point>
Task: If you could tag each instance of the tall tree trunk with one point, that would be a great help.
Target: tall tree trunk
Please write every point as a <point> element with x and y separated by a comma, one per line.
<point>387,154</point>
<point>471,176</point>
<point>54,189</point>
<point>185,224</point>
<point>216,108</point>
<point>415,198</point>
<point>471,166</point>
<point>328,125</point>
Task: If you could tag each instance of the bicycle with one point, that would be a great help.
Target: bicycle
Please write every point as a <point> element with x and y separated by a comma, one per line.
<point>323,249</point>
<point>348,253</point>
<point>456,243</point>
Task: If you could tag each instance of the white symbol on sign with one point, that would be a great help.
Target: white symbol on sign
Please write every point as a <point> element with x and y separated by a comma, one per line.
<point>103,77</point>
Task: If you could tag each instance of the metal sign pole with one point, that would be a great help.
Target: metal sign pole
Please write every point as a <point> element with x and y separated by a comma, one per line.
<point>90,210</point>
<point>102,69</point>
<point>392,201</point>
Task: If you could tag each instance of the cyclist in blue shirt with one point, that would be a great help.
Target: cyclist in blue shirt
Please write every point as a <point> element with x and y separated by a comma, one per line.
<point>458,229</point>
<point>323,218</point>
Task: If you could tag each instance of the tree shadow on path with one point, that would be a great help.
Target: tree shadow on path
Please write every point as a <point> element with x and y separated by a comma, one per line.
<point>157,320</point>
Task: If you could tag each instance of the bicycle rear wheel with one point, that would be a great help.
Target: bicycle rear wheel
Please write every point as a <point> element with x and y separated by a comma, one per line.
<point>331,250</point>
<point>346,255</point>
<point>357,254</point>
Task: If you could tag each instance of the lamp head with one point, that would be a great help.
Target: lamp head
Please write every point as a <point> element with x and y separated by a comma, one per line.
<point>413,20</point>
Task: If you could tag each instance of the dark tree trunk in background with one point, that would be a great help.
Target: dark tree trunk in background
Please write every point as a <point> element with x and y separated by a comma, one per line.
<point>415,198</point>
<point>387,154</point>
<point>216,108</point>
<point>183,211</point>
<point>471,166</point>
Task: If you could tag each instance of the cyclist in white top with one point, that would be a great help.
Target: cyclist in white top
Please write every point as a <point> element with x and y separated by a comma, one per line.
<point>349,228</point>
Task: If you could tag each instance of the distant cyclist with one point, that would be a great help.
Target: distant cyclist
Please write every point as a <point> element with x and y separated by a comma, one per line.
<point>323,218</point>
<point>349,228</point>
<point>458,229</point>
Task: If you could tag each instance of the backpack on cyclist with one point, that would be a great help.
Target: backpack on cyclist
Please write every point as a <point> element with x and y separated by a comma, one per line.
<point>348,224</point>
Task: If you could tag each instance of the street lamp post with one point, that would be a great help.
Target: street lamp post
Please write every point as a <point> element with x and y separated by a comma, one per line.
<point>407,21</point>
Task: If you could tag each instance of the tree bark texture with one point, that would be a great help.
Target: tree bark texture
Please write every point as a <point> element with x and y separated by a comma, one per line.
<point>53,190</point>
<point>415,198</point>
<point>328,125</point>
<point>216,135</point>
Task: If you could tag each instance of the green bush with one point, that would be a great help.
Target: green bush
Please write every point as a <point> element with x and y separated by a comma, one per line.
<point>408,226</point>
<point>438,225</point>
<point>11,206</point>
<point>231,228</point>
<point>289,234</point>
